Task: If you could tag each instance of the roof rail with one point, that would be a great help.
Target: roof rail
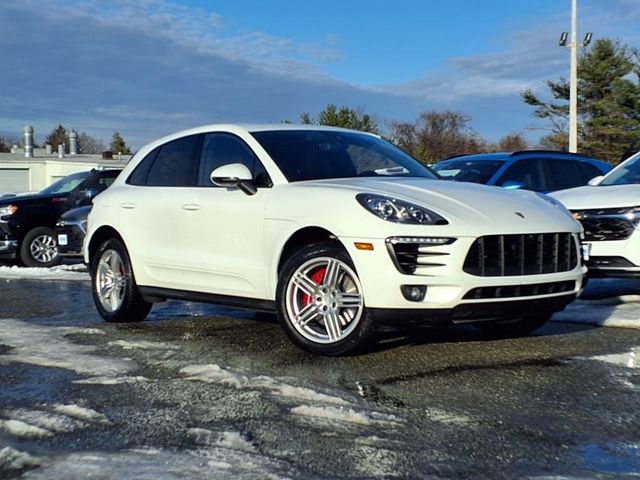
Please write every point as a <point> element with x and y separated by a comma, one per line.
<point>557,152</point>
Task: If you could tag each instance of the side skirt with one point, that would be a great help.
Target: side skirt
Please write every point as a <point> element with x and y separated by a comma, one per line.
<point>154,294</point>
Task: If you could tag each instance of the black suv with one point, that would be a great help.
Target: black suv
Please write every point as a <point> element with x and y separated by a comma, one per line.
<point>27,222</point>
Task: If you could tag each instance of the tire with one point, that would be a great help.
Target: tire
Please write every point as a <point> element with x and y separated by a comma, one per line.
<point>39,248</point>
<point>321,303</point>
<point>113,285</point>
<point>515,328</point>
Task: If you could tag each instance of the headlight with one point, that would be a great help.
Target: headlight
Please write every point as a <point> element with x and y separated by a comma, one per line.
<point>8,210</point>
<point>399,211</point>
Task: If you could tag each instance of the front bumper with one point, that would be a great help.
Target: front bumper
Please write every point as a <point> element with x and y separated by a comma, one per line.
<point>69,236</point>
<point>615,258</point>
<point>450,291</point>
<point>8,249</point>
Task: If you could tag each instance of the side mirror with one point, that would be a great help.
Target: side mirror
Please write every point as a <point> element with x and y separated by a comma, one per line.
<point>513,184</point>
<point>596,180</point>
<point>88,193</point>
<point>234,175</point>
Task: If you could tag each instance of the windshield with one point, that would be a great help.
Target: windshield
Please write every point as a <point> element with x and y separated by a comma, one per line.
<point>66,184</point>
<point>626,173</point>
<point>476,171</point>
<point>320,154</point>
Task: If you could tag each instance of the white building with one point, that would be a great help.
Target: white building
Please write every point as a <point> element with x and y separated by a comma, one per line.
<point>28,169</point>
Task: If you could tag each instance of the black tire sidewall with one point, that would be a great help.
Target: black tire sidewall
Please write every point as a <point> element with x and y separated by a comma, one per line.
<point>25,248</point>
<point>133,308</point>
<point>357,340</point>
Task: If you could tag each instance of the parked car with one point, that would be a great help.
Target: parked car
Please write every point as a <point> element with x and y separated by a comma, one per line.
<point>333,229</point>
<point>609,210</point>
<point>70,230</point>
<point>538,170</point>
<point>27,222</point>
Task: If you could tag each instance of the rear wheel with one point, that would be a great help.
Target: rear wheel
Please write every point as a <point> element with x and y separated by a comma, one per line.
<point>321,302</point>
<point>113,285</point>
<point>39,248</point>
<point>515,328</point>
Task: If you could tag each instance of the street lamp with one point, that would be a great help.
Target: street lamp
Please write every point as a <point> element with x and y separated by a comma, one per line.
<point>573,82</point>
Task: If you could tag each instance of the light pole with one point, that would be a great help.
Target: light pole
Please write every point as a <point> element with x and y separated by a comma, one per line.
<point>573,77</point>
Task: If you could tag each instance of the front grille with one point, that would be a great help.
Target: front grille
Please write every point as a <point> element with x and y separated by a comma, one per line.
<point>514,291</point>
<point>527,254</point>
<point>605,224</point>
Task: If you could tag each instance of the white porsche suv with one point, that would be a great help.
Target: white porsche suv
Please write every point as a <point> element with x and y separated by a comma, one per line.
<point>333,229</point>
<point>609,210</point>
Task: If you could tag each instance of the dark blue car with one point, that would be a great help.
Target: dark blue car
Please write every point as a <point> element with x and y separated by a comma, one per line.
<point>537,170</point>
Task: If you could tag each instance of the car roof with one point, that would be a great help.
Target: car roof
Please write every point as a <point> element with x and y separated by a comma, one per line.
<point>523,154</point>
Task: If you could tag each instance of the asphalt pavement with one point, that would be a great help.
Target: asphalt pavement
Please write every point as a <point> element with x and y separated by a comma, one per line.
<point>202,392</point>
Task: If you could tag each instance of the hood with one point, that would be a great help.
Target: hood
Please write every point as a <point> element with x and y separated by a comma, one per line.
<point>477,206</point>
<point>590,197</point>
<point>31,199</point>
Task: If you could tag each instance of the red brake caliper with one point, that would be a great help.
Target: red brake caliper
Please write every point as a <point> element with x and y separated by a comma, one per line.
<point>318,277</point>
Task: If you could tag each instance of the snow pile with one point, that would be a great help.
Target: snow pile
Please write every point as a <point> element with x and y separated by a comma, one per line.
<point>110,380</point>
<point>59,272</point>
<point>143,345</point>
<point>343,414</point>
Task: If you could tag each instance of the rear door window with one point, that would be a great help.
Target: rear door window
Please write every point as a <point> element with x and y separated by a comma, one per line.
<point>174,166</point>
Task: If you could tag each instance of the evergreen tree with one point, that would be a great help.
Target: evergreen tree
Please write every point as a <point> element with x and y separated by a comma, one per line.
<point>58,136</point>
<point>608,103</point>
<point>344,117</point>
<point>118,145</point>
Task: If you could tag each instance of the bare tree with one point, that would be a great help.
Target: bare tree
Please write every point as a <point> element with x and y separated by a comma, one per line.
<point>437,135</point>
<point>89,145</point>
<point>513,142</point>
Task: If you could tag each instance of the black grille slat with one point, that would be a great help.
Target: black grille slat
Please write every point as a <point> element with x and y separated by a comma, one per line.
<point>528,254</point>
<point>515,291</point>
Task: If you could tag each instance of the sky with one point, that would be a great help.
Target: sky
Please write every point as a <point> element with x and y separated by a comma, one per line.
<point>148,68</point>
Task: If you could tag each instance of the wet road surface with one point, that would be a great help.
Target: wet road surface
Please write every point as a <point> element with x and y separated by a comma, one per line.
<point>204,392</point>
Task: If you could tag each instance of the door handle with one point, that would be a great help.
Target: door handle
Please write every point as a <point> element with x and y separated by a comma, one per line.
<point>192,207</point>
<point>128,205</point>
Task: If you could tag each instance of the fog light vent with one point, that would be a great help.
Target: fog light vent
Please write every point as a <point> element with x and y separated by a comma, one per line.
<point>414,293</point>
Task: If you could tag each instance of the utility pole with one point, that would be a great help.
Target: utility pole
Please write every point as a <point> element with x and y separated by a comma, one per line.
<point>573,77</point>
<point>573,85</point>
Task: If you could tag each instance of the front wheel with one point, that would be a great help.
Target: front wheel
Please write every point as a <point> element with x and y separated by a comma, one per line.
<point>113,285</point>
<point>39,248</point>
<point>321,302</point>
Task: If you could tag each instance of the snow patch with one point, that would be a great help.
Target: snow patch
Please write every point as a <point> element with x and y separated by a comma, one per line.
<point>205,464</point>
<point>143,345</point>
<point>111,380</point>
<point>622,311</point>
<point>51,422</point>
<point>77,272</point>
<point>21,429</point>
<point>343,414</point>
<point>449,418</point>
<point>48,346</point>
<point>215,374</point>
<point>82,413</point>
<point>230,440</point>
<point>630,359</point>
<point>13,459</point>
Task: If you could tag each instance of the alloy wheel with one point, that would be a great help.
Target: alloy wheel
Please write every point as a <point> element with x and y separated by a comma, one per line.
<point>324,300</point>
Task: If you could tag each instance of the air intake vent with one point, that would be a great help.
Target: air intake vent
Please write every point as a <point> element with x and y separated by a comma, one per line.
<point>410,253</point>
<point>528,254</point>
